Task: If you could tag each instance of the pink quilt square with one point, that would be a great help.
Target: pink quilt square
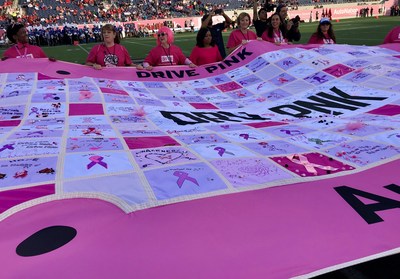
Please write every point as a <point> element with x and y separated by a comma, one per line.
<point>203,106</point>
<point>311,164</point>
<point>86,109</point>
<point>10,123</point>
<point>388,110</point>
<point>113,91</point>
<point>149,142</point>
<point>265,124</point>
<point>14,197</point>
<point>230,86</point>
<point>338,70</point>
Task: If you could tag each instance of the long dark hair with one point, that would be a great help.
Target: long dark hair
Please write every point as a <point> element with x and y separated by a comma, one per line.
<point>270,29</point>
<point>201,35</point>
<point>12,30</point>
<point>331,34</point>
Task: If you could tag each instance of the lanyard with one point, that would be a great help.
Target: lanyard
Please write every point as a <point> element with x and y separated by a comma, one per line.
<point>278,38</point>
<point>244,36</point>
<point>168,54</point>
<point>19,53</point>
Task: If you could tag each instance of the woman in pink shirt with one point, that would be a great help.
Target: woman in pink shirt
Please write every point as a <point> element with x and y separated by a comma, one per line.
<point>165,53</point>
<point>110,53</point>
<point>242,35</point>
<point>205,51</point>
<point>17,34</point>
<point>324,34</point>
<point>276,31</point>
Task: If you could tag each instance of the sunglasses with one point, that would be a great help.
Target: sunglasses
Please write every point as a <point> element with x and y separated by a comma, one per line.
<point>162,34</point>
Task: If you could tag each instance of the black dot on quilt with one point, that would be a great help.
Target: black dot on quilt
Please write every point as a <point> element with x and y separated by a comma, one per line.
<point>45,241</point>
<point>62,72</point>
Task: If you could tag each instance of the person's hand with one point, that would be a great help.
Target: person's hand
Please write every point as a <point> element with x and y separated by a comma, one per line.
<point>149,68</point>
<point>96,66</point>
<point>139,67</point>
<point>259,39</point>
<point>192,65</point>
<point>244,42</point>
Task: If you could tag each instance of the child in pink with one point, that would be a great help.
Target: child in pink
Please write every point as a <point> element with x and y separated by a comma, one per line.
<point>205,51</point>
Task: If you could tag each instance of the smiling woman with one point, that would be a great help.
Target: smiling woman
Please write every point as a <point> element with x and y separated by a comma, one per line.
<point>165,53</point>
<point>110,53</point>
<point>324,34</point>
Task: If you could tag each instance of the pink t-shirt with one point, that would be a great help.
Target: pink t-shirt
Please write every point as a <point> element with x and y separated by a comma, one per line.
<point>24,51</point>
<point>114,56</point>
<point>237,37</point>
<point>314,39</point>
<point>277,37</point>
<point>160,56</point>
<point>393,36</point>
<point>205,55</point>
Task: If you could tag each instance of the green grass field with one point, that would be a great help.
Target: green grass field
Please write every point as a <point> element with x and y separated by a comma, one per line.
<point>360,31</point>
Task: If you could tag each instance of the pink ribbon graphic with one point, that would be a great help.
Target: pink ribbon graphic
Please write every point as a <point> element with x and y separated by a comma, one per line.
<point>85,95</point>
<point>34,110</point>
<point>48,96</point>
<point>182,176</point>
<point>310,167</point>
<point>96,160</point>
<point>222,150</point>
<point>7,146</point>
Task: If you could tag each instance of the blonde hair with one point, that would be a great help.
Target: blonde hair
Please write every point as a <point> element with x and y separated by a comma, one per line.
<point>241,16</point>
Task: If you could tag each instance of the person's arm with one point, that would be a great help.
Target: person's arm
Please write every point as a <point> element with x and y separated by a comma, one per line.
<point>313,39</point>
<point>182,59</point>
<point>232,42</point>
<point>207,20</point>
<point>127,58</point>
<point>228,21</point>
<point>91,59</point>
<point>194,55</point>
<point>293,33</point>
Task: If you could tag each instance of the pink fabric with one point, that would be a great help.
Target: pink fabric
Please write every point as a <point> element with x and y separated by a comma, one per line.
<point>203,106</point>
<point>201,55</point>
<point>265,124</point>
<point>160,56</point>
<point>149,142</point>
<point>14,197</point>
<point>254,234</point>
<point>86,109</point>
<point>387,110</point>
<point>24,51</point>
<point>314,39</point>
<point>9,123</point>
<point>99,53</point>
<point>237,36</point>
<point>266,38</point>
<point>393,36</point>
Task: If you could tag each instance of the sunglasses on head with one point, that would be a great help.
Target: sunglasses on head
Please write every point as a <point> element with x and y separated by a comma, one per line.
<point>162,34</point>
